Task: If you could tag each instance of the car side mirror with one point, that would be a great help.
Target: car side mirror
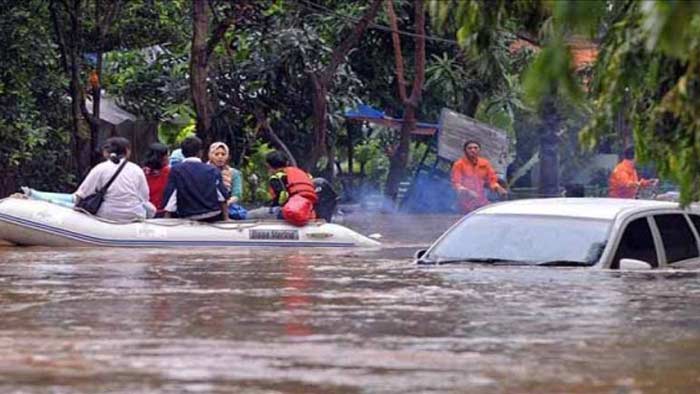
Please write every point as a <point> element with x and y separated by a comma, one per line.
<point>634,264</point>
<point>419,253</point>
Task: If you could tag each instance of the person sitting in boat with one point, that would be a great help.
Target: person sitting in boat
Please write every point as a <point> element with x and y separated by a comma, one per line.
<point>292,190</point>
<point>195,190</point>
<point>233,181</point>
<point>218,157</point>
<point>176,157</point>
<point>126,199</point>
<point>157,170</point>
<point>328,198</point>
<point>127,196</point>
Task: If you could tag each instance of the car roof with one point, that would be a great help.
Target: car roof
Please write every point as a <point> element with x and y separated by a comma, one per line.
<point>591,208</point>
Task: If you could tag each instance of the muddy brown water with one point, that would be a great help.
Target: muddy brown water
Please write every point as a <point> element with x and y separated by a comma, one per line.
<point>338,321</point>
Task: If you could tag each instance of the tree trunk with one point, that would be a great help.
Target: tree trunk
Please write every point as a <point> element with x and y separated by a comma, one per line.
<point>97,86</point>
<point>329,173</point>
<point>199,69</point>
<point>81,134</point>
<point>203,46</point>
<point>319,105</point>
<point>399,160</point>
<point>470,105</point>
<point>96,102</point>
<point>351,148</point>
<point>549,151</point>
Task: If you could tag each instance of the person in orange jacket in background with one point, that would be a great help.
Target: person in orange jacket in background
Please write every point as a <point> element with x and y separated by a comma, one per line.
<point>469,175</point>
<point>624,181</point>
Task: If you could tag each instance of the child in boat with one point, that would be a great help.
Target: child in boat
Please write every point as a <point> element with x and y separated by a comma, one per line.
<point>195,190</point>
<point>157,170</point>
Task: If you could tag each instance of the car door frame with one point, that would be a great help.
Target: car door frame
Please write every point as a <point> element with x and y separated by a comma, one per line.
<point>619,228</point>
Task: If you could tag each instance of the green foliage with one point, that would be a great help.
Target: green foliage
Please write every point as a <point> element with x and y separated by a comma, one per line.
<point>577,17</point>
<point>179,124</point>
<point>138,24</point>
<point>147,86</point>
<point>270,78</point>
<point>500,109</point>
<point>668,26</point>
<point>33,128</point>
<point>255,164</point>
<point>550,74</point>
<point>372,159</point>
<point>649,70</point>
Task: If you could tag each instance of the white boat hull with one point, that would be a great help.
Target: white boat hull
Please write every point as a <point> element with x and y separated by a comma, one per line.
<point>39,223</point>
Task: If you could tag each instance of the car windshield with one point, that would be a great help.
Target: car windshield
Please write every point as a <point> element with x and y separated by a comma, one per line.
<point>529,239</point>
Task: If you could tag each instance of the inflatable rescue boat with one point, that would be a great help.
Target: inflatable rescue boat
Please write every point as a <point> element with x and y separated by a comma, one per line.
<point>39,223</point>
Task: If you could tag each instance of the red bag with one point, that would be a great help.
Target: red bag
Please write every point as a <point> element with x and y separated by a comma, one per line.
<point>298,210</point>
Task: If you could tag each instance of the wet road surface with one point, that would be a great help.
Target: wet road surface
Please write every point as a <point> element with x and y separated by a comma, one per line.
<point>338,321</point>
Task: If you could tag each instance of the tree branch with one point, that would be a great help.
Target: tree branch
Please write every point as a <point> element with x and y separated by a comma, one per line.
<point>525,36</point>
<point>218,34</point>
<point>264,123</point>
<point>349,42</point>
<point>106,21</point>
<point>60,38</point>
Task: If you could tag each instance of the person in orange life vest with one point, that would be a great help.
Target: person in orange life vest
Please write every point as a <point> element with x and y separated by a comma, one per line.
<point>624,181</point>
<point>292,190</point>
<point>469,175</point>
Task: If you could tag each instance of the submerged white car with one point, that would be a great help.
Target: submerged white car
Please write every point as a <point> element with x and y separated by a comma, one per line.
<point>595,232</point>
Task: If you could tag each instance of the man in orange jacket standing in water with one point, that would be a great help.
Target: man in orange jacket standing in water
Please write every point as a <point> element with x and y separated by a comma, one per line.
<point>469,175</point>
<point>624,181</point>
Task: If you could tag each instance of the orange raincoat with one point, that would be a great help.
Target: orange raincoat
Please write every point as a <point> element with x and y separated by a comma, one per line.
<point>624,181</point>
<point>473,177</point>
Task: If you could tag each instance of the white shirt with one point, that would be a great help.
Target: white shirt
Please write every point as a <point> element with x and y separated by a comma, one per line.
<point>127,196</point>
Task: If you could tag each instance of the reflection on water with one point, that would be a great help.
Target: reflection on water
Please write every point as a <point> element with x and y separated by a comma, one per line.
<point>338,321</point>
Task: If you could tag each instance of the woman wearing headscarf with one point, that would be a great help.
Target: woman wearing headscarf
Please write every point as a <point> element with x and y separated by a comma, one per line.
<point>219,157</point>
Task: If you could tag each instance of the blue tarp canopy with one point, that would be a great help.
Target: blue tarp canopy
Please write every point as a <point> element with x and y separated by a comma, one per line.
<point>370,114</point>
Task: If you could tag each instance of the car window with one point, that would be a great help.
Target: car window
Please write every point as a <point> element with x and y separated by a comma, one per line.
<point>524,238</point>
<point>636,243</point>
<point>677,237</point>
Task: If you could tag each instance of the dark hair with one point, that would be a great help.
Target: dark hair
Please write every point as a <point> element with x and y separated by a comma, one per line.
<point>628,153</point>
<point>276,159</point>
<point>155,155</point>
<point>191,147</point>
<point>116,147</point>
<point>466,144</point>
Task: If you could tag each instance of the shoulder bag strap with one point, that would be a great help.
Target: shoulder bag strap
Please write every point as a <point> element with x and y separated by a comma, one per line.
<point>109,183</point>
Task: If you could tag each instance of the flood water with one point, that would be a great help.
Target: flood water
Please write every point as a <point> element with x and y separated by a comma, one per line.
<point>338,321</point>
